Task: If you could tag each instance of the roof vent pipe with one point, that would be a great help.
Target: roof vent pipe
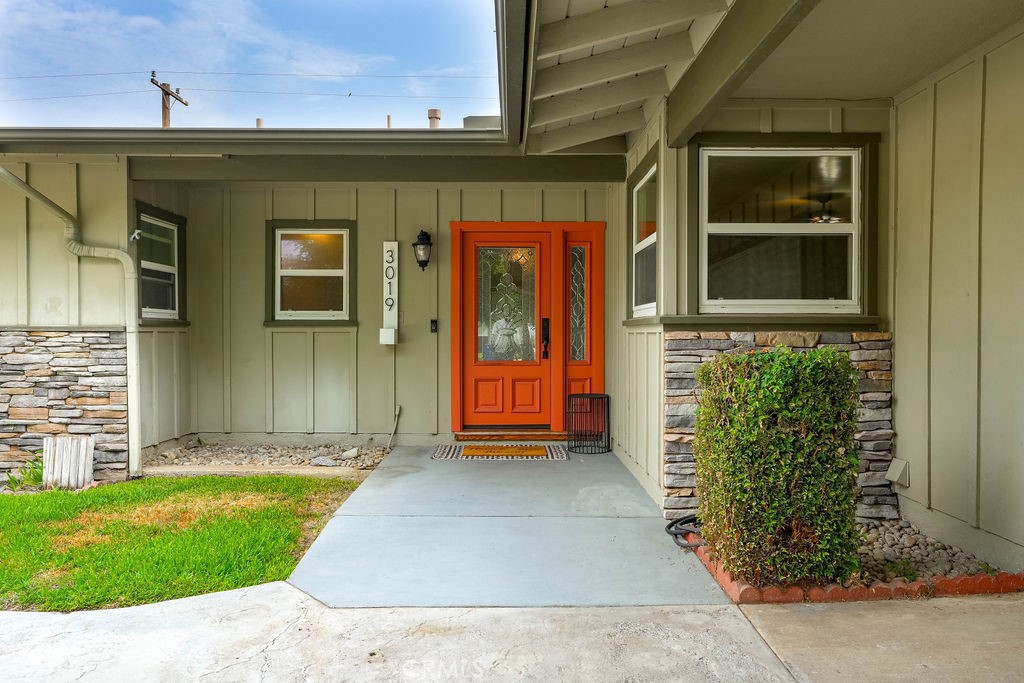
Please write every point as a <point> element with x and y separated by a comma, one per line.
<point>435,117</point>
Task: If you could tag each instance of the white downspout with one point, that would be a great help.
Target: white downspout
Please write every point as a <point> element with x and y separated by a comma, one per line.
<point>72,242</point>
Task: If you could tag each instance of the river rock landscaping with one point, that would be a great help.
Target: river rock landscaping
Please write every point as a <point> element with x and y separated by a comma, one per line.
<point>368,457</point>
<point>896,549</point>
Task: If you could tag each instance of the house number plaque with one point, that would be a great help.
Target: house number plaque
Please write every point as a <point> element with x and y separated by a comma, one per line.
<point>389,329</point>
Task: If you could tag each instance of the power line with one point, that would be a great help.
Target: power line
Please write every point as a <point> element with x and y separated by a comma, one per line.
<point>108,73</point>
<point>259,92</point>
<point>307,75</point>
<point>64,97</point>
<point>246,73</point>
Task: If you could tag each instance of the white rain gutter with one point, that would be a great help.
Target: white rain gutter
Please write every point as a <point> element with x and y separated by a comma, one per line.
<point>73,243</point>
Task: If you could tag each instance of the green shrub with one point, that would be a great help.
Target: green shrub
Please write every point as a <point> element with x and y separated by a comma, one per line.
<point>776,464</point>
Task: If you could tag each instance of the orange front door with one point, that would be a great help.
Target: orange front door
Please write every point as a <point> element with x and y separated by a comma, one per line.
<point>528,322</point>
<point>507,334</point>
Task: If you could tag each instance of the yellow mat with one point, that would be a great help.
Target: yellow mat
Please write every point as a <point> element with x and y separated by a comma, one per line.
<point>507,451</point>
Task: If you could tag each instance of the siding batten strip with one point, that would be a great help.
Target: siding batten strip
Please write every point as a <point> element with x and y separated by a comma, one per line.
<point>931,246</point>
<point>310,364</point>
<point>268,359</point>
<point>980,90</point>
<point>226,306</point>
<point>22,251</point>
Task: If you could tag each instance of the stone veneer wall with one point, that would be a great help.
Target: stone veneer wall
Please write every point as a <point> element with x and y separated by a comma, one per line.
<point>64,382</point>
<point>871,353</point>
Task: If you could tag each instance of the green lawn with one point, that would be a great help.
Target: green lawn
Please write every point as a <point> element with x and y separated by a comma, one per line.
<point>157,539</point>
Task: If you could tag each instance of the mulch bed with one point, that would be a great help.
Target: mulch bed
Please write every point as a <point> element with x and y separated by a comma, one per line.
<point>968,584</point>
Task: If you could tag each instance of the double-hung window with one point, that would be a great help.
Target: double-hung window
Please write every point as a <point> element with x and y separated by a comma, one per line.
<point>645,244</point>
<point>160,253</point>
<point>311,273</point>
<point>780,230</point>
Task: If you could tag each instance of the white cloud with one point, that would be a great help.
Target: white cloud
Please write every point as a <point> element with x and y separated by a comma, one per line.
<point>54,37</point>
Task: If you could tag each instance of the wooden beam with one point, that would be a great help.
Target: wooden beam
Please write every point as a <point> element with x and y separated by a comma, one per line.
<point>605,166</point>
<point>615,144</point>
<point>581,133</point>
<point>626,91</point>
<point>609,66</point>
<point>619,21</point>
<point>750,31</point>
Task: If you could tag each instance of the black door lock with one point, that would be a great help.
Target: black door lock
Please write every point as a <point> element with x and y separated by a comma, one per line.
<point>545,336</point>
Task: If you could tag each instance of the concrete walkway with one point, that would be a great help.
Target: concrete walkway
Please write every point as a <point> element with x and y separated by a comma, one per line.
<point>453,533</point>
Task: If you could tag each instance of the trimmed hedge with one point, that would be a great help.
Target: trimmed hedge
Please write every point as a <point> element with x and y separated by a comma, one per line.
<point>777,466</point>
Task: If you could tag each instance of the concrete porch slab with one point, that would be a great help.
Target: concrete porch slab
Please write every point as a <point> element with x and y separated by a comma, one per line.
<point>427,533</point>
<point>408,482</point>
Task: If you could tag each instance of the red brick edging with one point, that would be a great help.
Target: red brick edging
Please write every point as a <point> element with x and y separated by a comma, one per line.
<point>744,594</point>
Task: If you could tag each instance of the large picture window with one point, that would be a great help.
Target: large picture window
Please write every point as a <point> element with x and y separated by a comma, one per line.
<point>311,273</point>
<point>780,230</point>
<point>645,245</point>
<point>160,251</point>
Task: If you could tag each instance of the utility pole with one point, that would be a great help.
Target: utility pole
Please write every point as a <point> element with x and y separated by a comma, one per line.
<point>165,100</point>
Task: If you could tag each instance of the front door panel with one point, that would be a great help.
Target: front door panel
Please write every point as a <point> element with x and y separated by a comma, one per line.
<point>527,321</point>
<point>506,366</point>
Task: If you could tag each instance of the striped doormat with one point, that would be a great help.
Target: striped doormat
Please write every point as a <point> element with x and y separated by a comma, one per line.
<point>518,452</point>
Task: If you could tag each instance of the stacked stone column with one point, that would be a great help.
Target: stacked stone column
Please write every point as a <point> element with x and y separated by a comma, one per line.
<point>871,354</point>
<point>64,382</point>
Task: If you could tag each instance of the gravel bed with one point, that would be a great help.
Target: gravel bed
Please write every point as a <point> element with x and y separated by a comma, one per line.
<point>318,456</point>
<point>895,548</point>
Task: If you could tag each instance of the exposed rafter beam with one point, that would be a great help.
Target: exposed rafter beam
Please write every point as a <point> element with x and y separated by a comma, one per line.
<point>608,66</point>
<point>581,133</point>
<point>619,21</point>
<point>511,23</point>
<point>569,105</point>
<point>750,31</point>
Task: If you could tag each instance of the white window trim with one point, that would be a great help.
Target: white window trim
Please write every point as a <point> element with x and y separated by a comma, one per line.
<point>854,229</point>
<point>648,309</point>
<point>163,313</point>
<point>333,272</point>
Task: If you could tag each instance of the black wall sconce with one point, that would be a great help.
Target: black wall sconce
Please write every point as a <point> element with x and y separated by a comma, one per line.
<point>421,247</point>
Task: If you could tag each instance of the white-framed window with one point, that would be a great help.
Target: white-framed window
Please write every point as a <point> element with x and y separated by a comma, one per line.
<point>159,264</point>
<point>311,274</point>
<point>645,244</point>
<point>780,230</point>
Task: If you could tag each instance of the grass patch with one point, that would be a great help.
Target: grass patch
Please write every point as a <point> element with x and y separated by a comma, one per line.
<point>157,539</point>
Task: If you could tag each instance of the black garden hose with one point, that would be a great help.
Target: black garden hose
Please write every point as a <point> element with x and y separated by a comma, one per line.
<point>687,524</point>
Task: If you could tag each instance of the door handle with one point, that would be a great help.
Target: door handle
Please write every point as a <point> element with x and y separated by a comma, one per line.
<point>545,336</point>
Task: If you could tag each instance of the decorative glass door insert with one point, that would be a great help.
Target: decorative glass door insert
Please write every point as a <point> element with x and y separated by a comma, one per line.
<point>506,303</point>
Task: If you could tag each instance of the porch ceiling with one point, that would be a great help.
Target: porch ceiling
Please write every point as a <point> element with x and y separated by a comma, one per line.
<point>601,66</point>
<point>874,48</point>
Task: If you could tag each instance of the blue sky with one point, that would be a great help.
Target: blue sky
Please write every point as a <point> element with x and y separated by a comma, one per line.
<point>359,50</point>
